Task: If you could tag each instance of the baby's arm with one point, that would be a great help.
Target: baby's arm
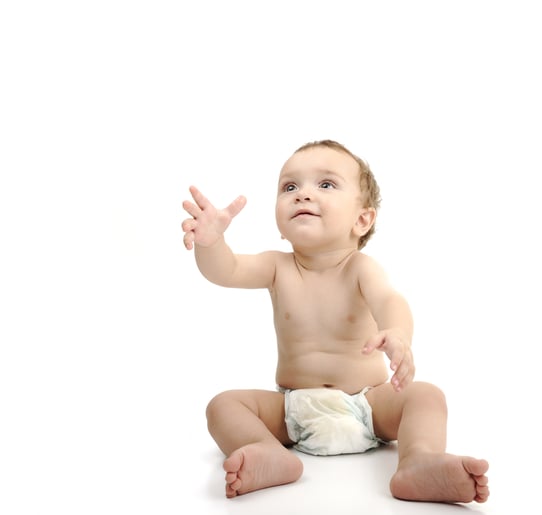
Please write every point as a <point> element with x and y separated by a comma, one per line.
<point>394,320</point>
<point>205,233</point>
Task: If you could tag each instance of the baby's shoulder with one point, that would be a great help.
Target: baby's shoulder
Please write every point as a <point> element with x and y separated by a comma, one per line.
<point>365,266</point>
<point>282,259</point>
<point>362,260</point>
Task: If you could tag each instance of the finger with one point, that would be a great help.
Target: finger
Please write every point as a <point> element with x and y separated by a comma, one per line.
<point>236,206</point>
<point>403,376</point>
<point>398,378</point>
<point>396,359</point>
<point>189,240</point>
<point>189,224</point>
<point>191,209</point>
<point>201,200</point>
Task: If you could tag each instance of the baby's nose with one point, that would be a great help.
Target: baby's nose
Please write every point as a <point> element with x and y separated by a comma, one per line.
<point>302,195</point>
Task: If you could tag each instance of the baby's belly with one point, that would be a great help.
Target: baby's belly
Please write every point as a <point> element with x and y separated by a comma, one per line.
<point>346,372</point>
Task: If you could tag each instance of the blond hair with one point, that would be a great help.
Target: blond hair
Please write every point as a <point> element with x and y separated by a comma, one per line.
<point>367,180</point>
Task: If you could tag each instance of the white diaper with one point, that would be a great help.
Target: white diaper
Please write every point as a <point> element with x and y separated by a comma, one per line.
<point>324,421</point>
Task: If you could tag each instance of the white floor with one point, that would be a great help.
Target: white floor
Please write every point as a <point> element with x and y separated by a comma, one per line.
<point>339,485</point>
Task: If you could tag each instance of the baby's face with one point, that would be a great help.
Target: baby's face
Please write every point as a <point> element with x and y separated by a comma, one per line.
<point>319,199</point>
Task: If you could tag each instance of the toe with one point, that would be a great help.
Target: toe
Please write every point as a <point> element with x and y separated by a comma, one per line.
<point>230,477</point>
<point>475,467</point>
<point>481,480</point>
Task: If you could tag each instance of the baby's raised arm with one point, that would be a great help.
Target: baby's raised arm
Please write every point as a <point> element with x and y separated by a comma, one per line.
<point>204,233</point>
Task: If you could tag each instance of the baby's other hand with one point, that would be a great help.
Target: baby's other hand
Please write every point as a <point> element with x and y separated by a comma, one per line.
<point>398,350</point>
<point>207,223</point>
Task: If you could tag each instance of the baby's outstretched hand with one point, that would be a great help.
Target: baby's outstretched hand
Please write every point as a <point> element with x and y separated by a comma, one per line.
<point>399,353</point>
<point>207,223</point>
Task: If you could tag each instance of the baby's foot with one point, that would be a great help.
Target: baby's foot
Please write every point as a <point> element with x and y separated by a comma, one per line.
<point>256,466</point>
<point>441,478</point>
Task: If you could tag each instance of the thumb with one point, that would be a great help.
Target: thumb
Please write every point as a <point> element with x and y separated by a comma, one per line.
<point>236,206</point>
<point>373,343</point>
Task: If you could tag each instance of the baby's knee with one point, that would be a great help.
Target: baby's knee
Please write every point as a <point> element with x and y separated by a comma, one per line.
<point>221,404</point>
<point>218,403</point>
<point>430,393</point>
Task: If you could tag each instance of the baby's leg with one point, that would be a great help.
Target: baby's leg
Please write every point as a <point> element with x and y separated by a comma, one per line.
<point>417,418</point>
<point>249,428</point>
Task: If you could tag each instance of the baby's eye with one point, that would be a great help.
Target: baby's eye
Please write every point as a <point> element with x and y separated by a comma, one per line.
<point>289,187</point>
<point>327,185</point>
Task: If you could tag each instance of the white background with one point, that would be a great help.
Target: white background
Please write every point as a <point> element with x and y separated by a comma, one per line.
<point>111,343</point>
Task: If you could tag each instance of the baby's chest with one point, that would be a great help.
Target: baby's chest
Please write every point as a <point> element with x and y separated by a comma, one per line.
<point>324,308</point>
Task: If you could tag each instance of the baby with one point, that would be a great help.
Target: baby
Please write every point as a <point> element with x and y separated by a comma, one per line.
<point>336,316</point>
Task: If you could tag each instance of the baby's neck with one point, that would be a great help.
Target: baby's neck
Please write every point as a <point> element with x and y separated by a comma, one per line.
<point>320,261</point>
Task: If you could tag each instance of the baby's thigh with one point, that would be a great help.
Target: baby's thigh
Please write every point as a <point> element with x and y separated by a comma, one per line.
<point>268,406</point>
<point>387,407</point>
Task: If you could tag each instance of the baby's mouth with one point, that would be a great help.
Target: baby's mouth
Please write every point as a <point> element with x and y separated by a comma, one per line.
<point>304,212</point>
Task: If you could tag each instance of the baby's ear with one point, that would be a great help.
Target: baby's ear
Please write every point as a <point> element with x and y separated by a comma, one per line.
<point>365,221</point>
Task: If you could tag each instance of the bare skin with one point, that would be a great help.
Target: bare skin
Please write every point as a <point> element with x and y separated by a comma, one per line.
<point>337,320</point>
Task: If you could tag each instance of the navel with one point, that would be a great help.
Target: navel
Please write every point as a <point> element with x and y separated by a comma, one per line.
<point>287,315</point>
<point>351,318</point>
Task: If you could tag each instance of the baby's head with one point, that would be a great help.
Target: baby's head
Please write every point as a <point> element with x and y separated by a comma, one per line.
<point>368,185</point>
